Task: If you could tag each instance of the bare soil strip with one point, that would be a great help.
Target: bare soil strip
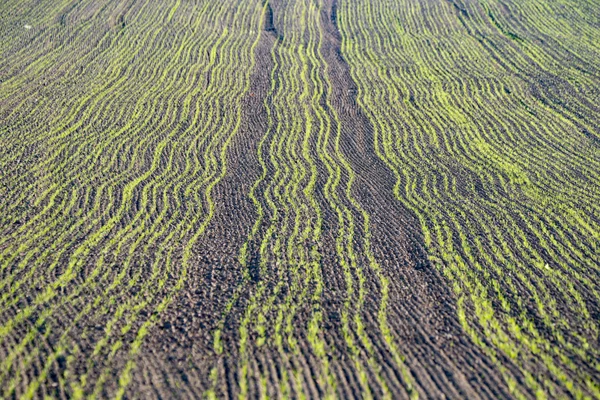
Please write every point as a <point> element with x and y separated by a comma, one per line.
<point>424,311</point>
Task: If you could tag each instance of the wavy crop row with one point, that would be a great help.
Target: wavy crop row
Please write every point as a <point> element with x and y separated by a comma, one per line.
<point>282,346</point>
<point>100,229</point>
<point>501,171</point>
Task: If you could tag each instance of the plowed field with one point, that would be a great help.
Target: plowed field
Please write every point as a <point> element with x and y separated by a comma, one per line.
<point>300,199</point>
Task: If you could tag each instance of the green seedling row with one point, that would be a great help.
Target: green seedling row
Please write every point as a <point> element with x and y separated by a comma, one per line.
<point>120,124</point>
<point>177,138</point>
<point>487,167</point>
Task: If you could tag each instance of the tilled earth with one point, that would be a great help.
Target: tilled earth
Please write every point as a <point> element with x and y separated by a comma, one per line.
<point>299,199</point>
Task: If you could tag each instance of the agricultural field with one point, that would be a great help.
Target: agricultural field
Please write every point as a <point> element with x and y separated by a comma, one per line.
<point>300,199</point>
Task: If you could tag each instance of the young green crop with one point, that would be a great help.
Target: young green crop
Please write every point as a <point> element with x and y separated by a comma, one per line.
<point>133,206</point>
<point>489,179</point>
<point>302,143</point>
<point>118,123</point>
